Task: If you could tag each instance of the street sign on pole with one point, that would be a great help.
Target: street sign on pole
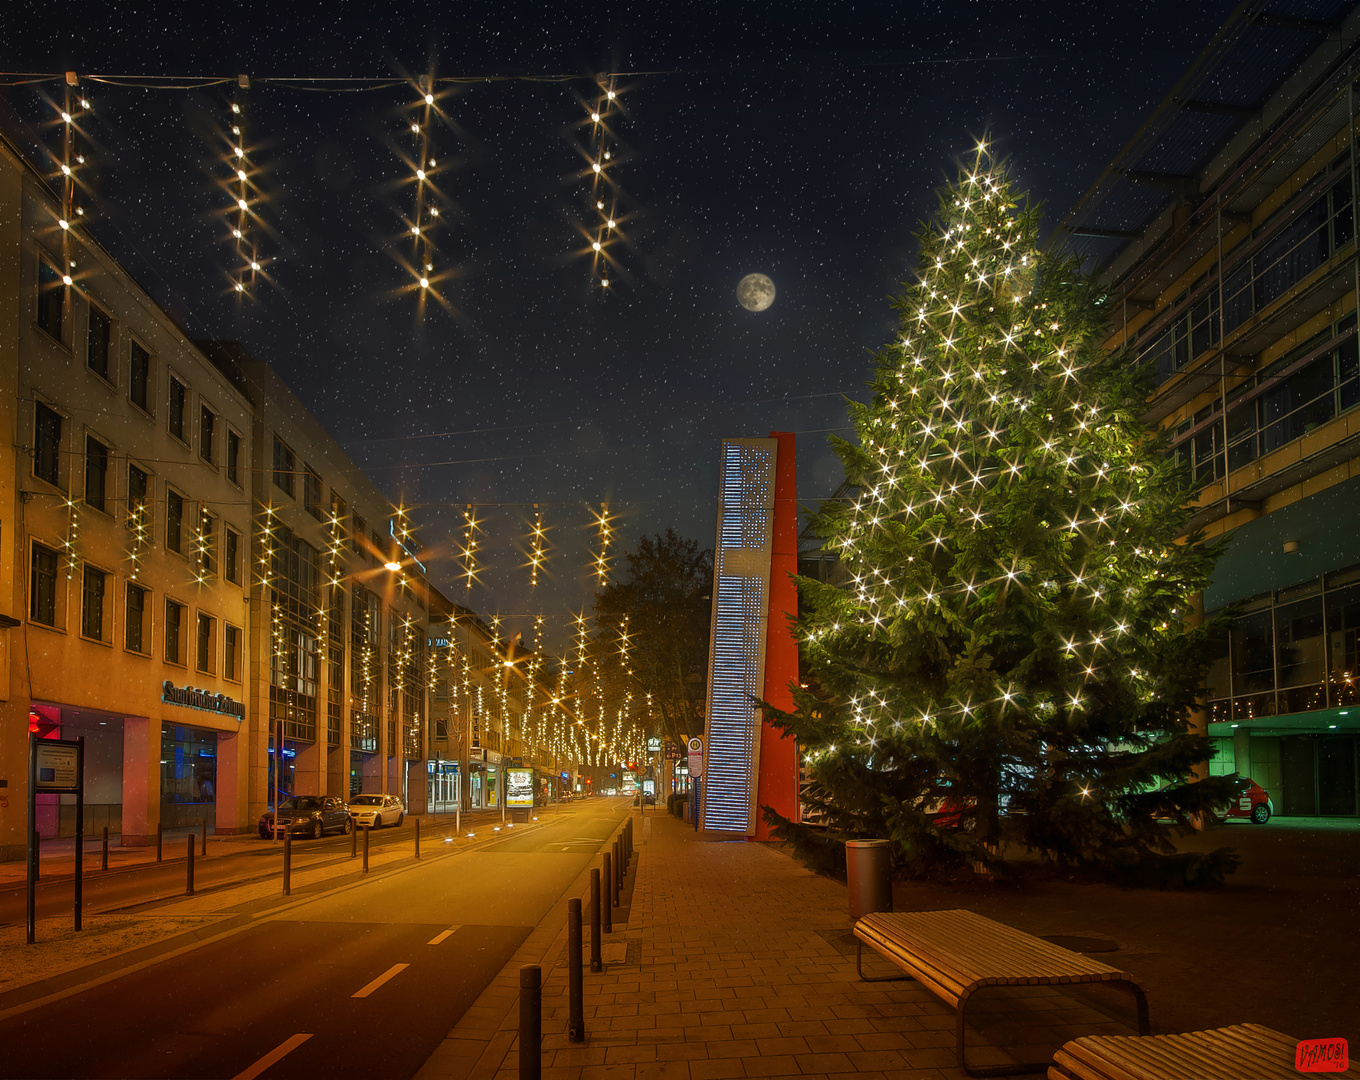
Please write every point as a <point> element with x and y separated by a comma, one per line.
<point>696,756</point>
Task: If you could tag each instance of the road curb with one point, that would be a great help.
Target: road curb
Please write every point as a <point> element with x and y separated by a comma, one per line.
<point>476,1048</point>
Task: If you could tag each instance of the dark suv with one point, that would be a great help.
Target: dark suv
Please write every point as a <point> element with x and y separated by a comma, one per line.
<point>312,815</point>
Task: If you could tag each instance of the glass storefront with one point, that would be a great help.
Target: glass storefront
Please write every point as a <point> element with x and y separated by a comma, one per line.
<point>443,786</point>
<point>188,776</point>
<point>286,775</point>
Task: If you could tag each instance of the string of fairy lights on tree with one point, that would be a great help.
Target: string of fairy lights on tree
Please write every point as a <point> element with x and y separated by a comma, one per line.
<point>427,204</point>
<point>601,152</point>
<point>241,214</point>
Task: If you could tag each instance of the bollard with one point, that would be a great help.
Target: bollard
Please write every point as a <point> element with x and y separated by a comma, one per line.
<point>189,868</point>
<point>104,852</point>
<point>596,962</point>
<point>288,862</point>
<point>530,1022</point>
<point>205,838</point>
<point>354,841</point>
<point>160,841</point>
<point>606,908</point>
<point>37,856</point>
<point>576,1022</point>
<point>366,830</point>
<point>618,872</point>
<point>417,821</point>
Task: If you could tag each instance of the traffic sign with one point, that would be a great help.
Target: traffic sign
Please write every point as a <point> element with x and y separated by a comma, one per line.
<point>696,757</point>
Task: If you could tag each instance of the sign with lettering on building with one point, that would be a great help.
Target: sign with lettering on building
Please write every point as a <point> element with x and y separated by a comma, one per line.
<point>654,745</point>
<point>206,700</point>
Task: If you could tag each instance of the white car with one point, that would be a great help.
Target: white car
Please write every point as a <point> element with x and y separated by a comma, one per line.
<point>375,811</point>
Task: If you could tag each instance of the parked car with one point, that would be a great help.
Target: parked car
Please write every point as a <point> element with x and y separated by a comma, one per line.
<point>312,815</point>
<point>1253,803</point>
<point>648,799</point>
<point>375,811</point>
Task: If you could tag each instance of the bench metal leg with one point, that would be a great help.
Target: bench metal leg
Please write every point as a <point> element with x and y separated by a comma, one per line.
<point>859,953</point>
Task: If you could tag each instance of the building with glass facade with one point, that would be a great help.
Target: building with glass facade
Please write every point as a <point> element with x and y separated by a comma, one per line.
<point>1224,235</point>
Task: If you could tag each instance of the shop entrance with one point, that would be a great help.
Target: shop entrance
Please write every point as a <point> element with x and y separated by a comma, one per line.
<point>1320,775</point>
<point>188,776</point>
<point>443,788</point>
<point>286,775</point>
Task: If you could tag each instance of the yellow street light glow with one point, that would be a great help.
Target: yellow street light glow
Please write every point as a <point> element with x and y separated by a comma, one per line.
<point>240,174</point>
<point>63,223</point>
<point>240,287</point>
<point>429,99</point>
<point>84,104</point>
<point>392,566</point>
<point>434,211</point>
<point>420,173</point>
<point>236,233</point>
<point>596,245</point>
<point>242,204</point>
<point>235,108</point>
<point>240,151</point>
<point>424,283</point>
<point>66,279</point>
<point>66,169</point>
<point>415,128</point>
<point>611,223</point>
<point>595,116</point>
<point>254,265</point>
<point>595,165</point>
<point>611,95</point>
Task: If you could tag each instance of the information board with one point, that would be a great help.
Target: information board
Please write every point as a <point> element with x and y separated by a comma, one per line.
<point>58,767</point>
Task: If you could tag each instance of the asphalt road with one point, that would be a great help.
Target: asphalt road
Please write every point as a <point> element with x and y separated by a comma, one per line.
<point>119,889</point>
<point>360,983</point>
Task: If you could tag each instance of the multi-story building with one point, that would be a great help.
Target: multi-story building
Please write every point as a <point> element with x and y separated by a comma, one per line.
<point>125,518</point>
<point>339,612</point>
<point>1225,236</point>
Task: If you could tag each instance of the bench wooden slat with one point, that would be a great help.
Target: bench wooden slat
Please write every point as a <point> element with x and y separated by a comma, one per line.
<point>1243,1050</point>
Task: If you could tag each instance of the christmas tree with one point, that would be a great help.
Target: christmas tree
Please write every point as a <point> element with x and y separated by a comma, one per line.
<point>1009,653</point>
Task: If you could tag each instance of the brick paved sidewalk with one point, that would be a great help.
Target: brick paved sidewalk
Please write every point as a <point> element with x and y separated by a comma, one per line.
<point>735,961</point>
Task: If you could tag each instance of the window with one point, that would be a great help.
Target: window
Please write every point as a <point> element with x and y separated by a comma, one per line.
<point>311,492</point>
<point>178,396</point>
<point>174,520</point>
<point>42,601</point>
<point>92,603</point>
<point>356,536</point>
<point>207,543</point>
<point>233,457</point>
<point>231,556</point>
<point>207,644</point>
<point>231,658</point>
<point>96,473</point>
<point>137,504</point>
<point>207,423</point>
<point>285,465</point>
<point>134,630</point>
<point>47,445</point>
<point>139,377</point>
<point>97,337</point>
<point>51,299</point>
<point>174,632</point>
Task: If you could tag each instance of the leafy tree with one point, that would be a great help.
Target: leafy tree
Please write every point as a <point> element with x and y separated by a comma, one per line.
<point>655,625</point>
<point>1011,637</point>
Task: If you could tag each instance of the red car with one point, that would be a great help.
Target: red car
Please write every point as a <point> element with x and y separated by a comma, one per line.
<point>1252,803</point>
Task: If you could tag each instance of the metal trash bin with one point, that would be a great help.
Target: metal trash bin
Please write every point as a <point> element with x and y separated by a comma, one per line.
<point>868,872</point>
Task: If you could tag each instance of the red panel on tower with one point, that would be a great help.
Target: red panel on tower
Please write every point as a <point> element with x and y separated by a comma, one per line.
<point>777,783</point>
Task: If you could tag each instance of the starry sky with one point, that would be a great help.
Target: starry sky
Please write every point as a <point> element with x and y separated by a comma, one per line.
<point>803,140</point>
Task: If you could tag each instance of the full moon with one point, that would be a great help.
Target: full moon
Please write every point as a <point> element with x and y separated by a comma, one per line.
<point>755,292</point>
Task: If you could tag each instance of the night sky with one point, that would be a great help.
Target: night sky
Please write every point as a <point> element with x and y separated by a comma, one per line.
<point>802,140</point>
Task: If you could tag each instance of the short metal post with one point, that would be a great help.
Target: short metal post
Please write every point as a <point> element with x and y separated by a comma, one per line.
<point>530,1022</point>
<point>417,821</point>
<point>354,842</point>
<point>618,872</point>
<point>288,862</point>
<point>606,907</point>
<point>104,852</point>
<point>366,832</point>
<point>160,841</point>
<point>596,962</point>
<point>205,837</point>
<point>189,868</point>
<point>576,1022</point>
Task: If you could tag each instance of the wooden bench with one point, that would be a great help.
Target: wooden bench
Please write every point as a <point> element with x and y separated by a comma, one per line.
<point>954,954</point>
<point>1230,1053</point>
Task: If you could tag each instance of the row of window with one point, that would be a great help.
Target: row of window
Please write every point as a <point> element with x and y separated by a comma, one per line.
<point>216,442</point>
<point>1290,651</point>
<point>1281,252</point>
<point>210,655</point>
<point>1313,384</point>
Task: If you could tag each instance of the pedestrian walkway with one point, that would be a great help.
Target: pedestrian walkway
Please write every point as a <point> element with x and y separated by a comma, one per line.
<point>731,960</point>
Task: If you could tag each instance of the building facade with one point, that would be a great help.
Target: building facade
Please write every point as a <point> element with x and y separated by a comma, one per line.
<point>339,611</point>
<point>125,519</point>
<point>1224,234</point>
